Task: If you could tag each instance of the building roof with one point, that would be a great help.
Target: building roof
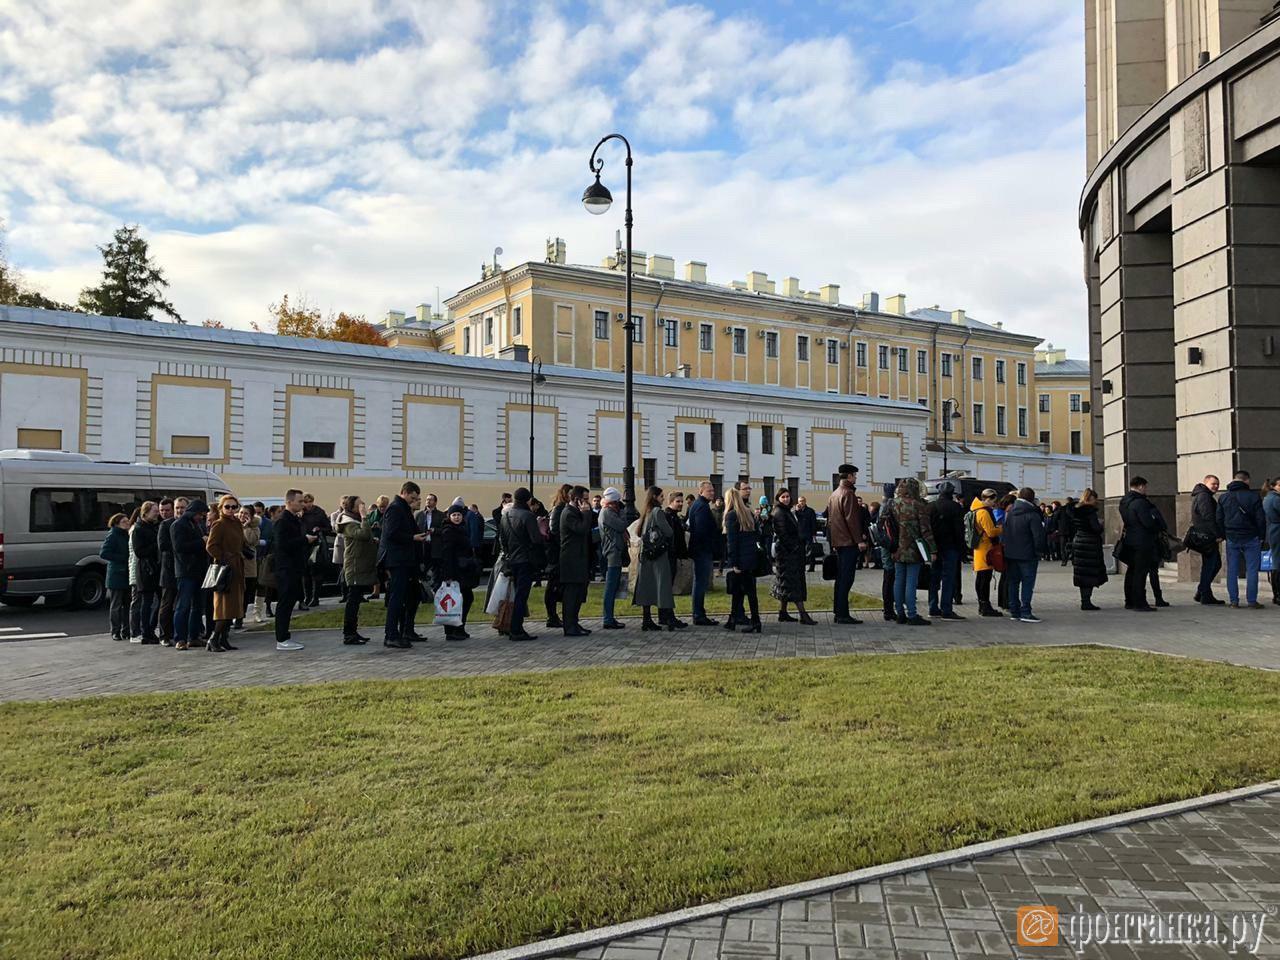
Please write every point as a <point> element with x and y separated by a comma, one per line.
<point>849,311</point>
<point>210,336</point>
<point>1063,368</point>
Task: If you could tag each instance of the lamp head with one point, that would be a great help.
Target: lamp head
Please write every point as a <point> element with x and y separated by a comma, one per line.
<point>597,198</point>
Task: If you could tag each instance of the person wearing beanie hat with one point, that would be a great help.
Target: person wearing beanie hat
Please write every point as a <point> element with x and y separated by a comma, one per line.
<point>458,563</point>
<point>611,495</point>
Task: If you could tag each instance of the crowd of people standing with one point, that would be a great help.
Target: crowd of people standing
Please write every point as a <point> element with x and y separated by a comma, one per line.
<point>183,575</point>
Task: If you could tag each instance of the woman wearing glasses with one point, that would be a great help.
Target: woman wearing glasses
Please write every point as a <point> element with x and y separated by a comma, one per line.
<point>226,545</point>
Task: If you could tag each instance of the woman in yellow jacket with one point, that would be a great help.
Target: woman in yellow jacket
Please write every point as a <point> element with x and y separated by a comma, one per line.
<point>984,514</point>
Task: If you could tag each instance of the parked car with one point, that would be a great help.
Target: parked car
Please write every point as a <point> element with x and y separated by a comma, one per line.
<point>54,509</point>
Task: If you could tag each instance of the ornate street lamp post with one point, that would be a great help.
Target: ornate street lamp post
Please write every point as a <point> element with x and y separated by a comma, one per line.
<point>597,199</point>
<point>535,378</point>
<point>949,413</point>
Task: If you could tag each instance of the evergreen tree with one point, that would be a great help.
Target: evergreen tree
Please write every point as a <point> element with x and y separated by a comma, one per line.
<point>132,285</point>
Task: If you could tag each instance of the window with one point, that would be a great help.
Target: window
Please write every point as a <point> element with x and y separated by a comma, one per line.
<point>793,442</point>
<point>833,351</point>
<point>517,324</point>
<point>771,345</point>
<point>466,340</point>
<point>862,355</point>
<point>1002,420</point>
<point>595,471</point>
<point>81,510</point>
<point>766,439</point>
<point>946,364</point>
<point>770,484</point>
<point>902,359</point>
<point>30,438</point>
<point>882,357</point>
<point>802,347</point>
<point>999,371</point>
<point>922,362</point>
<point>1073,402</point>
<point>602,324</point>
<point>317,449</point>
<point>739,341</point>
<point>1022,421</point>
<point>977,418</point>
<point>671,334</point>
<point>1022,374</point>
<point>705,333</point>
<point>650,472</point>
<point>793,484</point>
<point>637,333</point>
<point>488,331</point>
<point>190,445</point>
<point>977,368</point>
<point>1044,436</point>
<point>690,442</point>
<point>717,436</point>
<point>1076,441</point>
<point>1044,403</point>
<point>742,438</point>
<point>717,483</point>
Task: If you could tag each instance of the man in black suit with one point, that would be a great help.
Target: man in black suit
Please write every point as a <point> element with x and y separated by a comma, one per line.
<point>291,550</point>
<point>575,559</point>
<point>398,555</point>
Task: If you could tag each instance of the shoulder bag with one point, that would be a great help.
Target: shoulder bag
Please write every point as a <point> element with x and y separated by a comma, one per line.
<point>217,578</point>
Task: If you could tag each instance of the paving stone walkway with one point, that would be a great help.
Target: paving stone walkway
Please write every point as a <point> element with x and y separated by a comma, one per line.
<point>1221,860</point>
<point>89,666</point>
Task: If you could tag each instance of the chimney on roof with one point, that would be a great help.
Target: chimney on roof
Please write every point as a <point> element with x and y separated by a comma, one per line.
<point>958,317</point>
<point>662,267</point>
<point>556,252</point>
<point>518,352</point>
<point>790,287</point>
<point>757,282</point>
<point>638,260</point>
<point>394,318</point>
<point>830,293</point>
<point>738,284</point>
<point>684,371</point>
<point>422,312</point>
<point>695,271</point>
<point>812,295</point>
<point>897,304</point>
<point>871,301</point>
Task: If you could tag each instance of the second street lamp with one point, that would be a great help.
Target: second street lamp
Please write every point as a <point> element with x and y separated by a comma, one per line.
<point>597,199</point>
<point>949,413</point>
<point>535,378</point>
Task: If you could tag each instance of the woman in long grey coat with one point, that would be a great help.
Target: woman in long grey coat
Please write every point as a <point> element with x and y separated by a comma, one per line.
<point>653,579</point>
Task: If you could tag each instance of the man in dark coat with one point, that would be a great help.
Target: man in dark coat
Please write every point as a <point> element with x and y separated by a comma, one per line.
<point>317,525</point>
<point>807,523</point>
<point>398,554</point>
<point>1242,520</point>
<point>525,553</point>
<point>1142,526</point>
<point>291,548</point>
<point>170,510</point>
<point>947,521</point>
<point>189,564</point>
<point>703,539</point>
<point>1204,521</point>
<point>575,559</point>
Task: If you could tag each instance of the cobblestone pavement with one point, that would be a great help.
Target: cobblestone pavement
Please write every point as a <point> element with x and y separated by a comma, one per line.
<point>88,666</point>
<point>1220,860</point>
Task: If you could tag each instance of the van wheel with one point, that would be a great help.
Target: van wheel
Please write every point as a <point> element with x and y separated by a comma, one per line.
<point>18,601</point>
<point>89,591</point>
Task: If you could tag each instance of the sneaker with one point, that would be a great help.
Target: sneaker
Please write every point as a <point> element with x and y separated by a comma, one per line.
<point>135,639</point>
<point>952,616</point>
<point>919,621</point>
<point>290,645</point>
<point>1256,606</point>
<point>1029,618</point>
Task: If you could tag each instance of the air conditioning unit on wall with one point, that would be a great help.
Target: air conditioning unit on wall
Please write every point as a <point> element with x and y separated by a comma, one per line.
<point>688,324</point>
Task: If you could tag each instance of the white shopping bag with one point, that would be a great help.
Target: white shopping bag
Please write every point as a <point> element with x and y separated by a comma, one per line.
<point>503,589</point>
<point>449,604</point>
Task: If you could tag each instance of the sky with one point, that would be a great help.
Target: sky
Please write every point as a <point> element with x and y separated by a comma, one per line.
<point>364,154</point>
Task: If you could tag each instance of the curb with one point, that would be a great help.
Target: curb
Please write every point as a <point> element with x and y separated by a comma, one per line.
<point>574,942</point>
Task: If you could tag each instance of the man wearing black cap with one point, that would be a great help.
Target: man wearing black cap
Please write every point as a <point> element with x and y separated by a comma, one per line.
<point>847,537</point>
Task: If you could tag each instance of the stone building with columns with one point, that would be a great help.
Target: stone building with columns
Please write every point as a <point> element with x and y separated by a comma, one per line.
<point>1180,218</point>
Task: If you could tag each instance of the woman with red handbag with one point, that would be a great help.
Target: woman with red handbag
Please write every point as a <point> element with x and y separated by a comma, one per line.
<point>988,552</point>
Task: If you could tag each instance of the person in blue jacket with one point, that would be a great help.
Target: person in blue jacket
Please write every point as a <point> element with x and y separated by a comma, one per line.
<point>115,550</point>
<point>1271,511</point>
<point>1242,520</point>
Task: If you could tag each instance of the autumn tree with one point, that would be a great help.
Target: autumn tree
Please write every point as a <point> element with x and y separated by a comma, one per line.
<point>214,324</point>
<point>132,285</point>
<point>300,319</point>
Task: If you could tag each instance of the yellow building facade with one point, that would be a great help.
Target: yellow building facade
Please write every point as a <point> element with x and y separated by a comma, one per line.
<point>1062,403</point>
<point>756,331</point>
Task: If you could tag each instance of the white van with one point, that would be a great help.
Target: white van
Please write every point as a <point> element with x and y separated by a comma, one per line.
<point>54,509</point>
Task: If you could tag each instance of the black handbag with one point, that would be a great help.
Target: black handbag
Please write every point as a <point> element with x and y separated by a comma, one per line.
<point>762,567</point>
<point>654,544</point>
<point>830,566</point>
<point>1200,542</point>
<point>925,580</point>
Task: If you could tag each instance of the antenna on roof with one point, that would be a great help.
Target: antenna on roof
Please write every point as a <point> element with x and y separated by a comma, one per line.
<point>497,252</point>
<point>617,240</point>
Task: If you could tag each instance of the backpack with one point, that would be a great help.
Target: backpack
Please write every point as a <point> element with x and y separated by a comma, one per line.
<point>884,533</point>
<point>972,532</point>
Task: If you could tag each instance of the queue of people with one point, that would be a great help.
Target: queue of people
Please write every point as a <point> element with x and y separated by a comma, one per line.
<point>181,574</point>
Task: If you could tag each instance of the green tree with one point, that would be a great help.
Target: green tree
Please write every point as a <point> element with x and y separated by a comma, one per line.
<point>132,285</point>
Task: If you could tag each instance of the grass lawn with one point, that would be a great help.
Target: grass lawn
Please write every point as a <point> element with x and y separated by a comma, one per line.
<point>437,818</point>
<point>375,613</point>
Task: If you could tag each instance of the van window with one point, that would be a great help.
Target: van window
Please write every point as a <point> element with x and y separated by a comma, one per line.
<point>83,511</point>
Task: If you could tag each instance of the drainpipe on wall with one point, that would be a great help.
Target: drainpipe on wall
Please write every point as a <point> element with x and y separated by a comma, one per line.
<point>933,386</point>
<point>964,400</point>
